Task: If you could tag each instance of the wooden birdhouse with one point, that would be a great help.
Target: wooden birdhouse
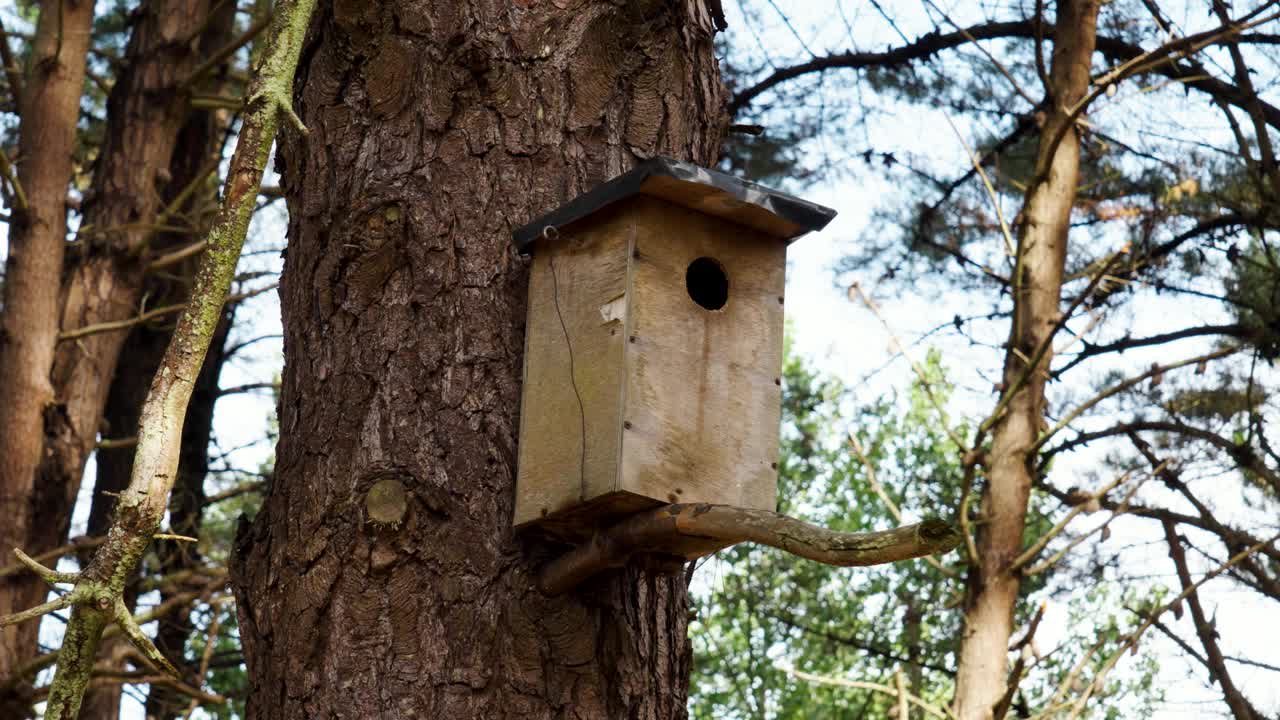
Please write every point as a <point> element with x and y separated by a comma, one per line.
<point>653,349</point>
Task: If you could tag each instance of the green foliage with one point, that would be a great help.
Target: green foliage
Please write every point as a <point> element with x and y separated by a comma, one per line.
<point>764,611</point>
<point>1254,290</point>
<point>761,612</point>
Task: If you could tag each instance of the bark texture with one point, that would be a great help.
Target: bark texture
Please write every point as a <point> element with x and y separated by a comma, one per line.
<point>29,324</point>
<point>435,129</point>
<point>993,588</point>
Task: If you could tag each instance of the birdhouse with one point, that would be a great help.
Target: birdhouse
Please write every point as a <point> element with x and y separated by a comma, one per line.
<point>653,347</point>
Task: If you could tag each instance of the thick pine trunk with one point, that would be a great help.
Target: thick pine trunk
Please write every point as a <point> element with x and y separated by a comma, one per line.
<point>993,588</point>
<point>29,325</point>
<point>435,129</point>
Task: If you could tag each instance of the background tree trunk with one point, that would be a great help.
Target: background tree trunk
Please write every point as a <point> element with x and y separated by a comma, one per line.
<point>104,280</point>
<point>992,593</point>
<point>29,324</point>
<point>198,145</point>
<point>435,129</point>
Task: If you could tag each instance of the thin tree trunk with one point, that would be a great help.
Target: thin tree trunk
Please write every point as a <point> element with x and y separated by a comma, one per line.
<point>436,129</point>
<point>105,278</point>
<point>29,325</point>
<point>186,513</point>
<point>993,590</point>
<point>96,599</point>
<point>198,145</point>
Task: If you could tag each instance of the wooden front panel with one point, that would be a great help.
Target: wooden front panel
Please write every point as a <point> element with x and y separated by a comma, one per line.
<point>703,403</point>
<point>588,295</point>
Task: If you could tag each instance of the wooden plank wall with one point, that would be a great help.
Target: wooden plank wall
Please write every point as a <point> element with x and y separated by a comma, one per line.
<point>590,262</point>
<point>703,402</point>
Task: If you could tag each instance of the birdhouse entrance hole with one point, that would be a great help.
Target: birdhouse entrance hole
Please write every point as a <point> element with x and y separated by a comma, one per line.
<point>707,283</point>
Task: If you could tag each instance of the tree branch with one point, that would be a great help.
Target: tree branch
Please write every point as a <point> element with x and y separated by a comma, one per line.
<point>1234,330</point>
<point>671,529</point>
<point>1125,385</point>
<point>1243,455</point>
<point>1241,709</point>
<point>875,687</point>
<point>1190,73</point>
<point>142,505</point>
<point>12,73</point>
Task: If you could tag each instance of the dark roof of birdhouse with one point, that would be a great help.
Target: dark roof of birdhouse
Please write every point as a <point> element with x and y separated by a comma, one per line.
<point>784,216</point>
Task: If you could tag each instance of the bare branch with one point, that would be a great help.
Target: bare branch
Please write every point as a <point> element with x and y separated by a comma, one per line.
<point>178,255</point>
<point>1136,635</point>
<point>1030,553</point>
<point>1240,706</point>
<point>933,710</point>
<point>52,577</point>
<point>60,603</point>
<point>1125,385</point>
<point>1234,330</point>
<point>19,196</point>
<point>673,529</point>
<point>141,640</point>
<point>12,73</point>
<point>149,315</point>
<point>856,290</point>
<point>223,54</point>
<point>76,545</point>
<point>1191,74</point>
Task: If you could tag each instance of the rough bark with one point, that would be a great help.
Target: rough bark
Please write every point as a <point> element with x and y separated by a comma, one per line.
<point>993,588</point>
<point>105,275</point>
<point>29,324</point>
<point>435,130</point>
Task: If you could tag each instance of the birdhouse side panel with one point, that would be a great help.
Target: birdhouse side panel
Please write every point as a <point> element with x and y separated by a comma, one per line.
<point>704,358</point>
<point>571,406</point>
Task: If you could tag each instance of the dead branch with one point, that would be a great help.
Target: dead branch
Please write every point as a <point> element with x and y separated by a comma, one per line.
<point>1131,641</point>
<point>1192,74</point>
<point>1241,709</point>
<point>1019,666</point>
<point>1125,385</point>
<point>1030,553</point>
<point>12,71</point>
<point>80,543</point>
<point>151,315</point>
<point>666,529</point>
<point>1234,330</point>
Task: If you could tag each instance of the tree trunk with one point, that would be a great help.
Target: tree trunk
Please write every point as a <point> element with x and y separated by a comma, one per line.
<point>993,588</point>
<point>29,324</point>
<point>435,129</point>
<point>186,514</point>
<point>104,280</point>
<point>198,145</point>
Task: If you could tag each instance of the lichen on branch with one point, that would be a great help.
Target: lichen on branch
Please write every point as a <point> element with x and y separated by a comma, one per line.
<point>96,599</point>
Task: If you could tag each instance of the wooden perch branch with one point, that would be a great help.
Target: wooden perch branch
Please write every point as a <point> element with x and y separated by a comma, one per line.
<point>671,525</point>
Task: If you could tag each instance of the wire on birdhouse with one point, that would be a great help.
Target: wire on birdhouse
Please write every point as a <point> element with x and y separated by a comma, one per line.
<point>551,233</point>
